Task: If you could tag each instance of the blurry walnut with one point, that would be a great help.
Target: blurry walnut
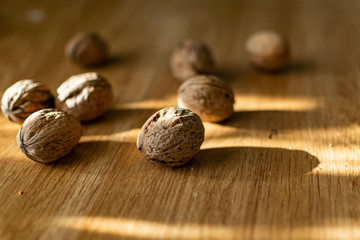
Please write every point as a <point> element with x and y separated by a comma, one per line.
<point>267,51</point>
<point>48,135</point>
<point>171,137</point>
<point>25,97</point>
<point>208,96</point>
<point>191,57</point>
<point>86,96</point>
<point>87,49</point>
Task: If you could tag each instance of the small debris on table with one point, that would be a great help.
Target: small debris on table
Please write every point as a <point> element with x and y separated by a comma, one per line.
<point>273,132</point>
<point>21,192</point>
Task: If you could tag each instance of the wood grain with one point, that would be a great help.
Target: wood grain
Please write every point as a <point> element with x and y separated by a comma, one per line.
<point>284,166</point>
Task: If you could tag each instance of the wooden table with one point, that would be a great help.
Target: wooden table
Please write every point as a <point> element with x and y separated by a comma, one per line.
<point>284,166</point>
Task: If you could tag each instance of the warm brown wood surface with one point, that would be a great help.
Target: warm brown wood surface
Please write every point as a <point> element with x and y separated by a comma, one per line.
<point>285,166</point>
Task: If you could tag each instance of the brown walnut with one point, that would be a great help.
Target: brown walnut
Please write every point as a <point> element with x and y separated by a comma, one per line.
<point>191,57</point>
<point>171,137</point>
<point>48,135</point>
<point>208,96</point>
<point>267,51</point>
<point>25,97</point>
<point>87,49</point>
<point>86,96</point>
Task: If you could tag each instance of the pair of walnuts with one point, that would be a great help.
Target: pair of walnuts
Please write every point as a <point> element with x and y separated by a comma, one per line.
<point>48,134</point>
<point>207,95</point>
<point>266,50</point>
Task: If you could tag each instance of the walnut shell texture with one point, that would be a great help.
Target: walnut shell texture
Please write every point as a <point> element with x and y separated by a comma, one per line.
<point>87,49</point>
<point>48,135</point>
<point>171,137</point>
<point>208,96</point>
<point>86,96</point>
<point>267,51</point>
<point>25,97</point>
<point>191,57</point>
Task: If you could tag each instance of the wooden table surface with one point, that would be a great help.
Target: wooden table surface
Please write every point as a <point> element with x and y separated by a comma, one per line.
<point>284,166</point>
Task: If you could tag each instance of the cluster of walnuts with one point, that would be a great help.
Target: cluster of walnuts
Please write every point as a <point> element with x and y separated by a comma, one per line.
<point>171,137</point>
<point>51,124</point>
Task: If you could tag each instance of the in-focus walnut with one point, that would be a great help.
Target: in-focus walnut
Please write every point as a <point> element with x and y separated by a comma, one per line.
<point>267,51</point>
<point>191,57</point>
<point>87,49</point>
<point>171,137</point>
<point>86,96</point>
<point>25,97</point>
<point>208,96</point>
<point>48,135</point>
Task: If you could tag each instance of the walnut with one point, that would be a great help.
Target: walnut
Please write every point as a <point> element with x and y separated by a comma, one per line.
<point>25,97</point>
<point>191,57</point>
<point>48,135</point>
<point>268,51</point>
<point>86,96</point>
<point>171,137</point>
<point>208,96</point>
<point>87,49</point>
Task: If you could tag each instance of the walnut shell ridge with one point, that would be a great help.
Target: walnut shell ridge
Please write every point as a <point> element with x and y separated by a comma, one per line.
<point>25,97</point>
<point>208,96</point>
<point>171,137</point>
<point>85,96</point>
<point>267,51</point>
<point>87,49</point>
<point>191,57</point>
<point>48,135</point>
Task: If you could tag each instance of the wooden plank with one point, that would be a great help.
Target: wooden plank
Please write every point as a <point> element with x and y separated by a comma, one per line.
<point>284,166</point>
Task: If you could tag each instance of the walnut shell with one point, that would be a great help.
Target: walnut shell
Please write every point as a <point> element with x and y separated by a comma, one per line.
<point>268,51</point>
<point>171,137</point>
<point>87,49</point>
<point>25,97</point>
<point>208,96</point>
<point>48,135</point>
<point>86,96</point>
<point>191,57</point>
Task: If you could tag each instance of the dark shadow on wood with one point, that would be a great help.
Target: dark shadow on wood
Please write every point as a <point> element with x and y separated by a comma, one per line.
<point>252,81</point>
<point>286,120</point>
<point>227,73</point>
<point>117,120</point>
<point>253,163</point>
<point>117,60</point>
<point>300,66</point>
<point>293,67</point>
<point>81,158</point>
